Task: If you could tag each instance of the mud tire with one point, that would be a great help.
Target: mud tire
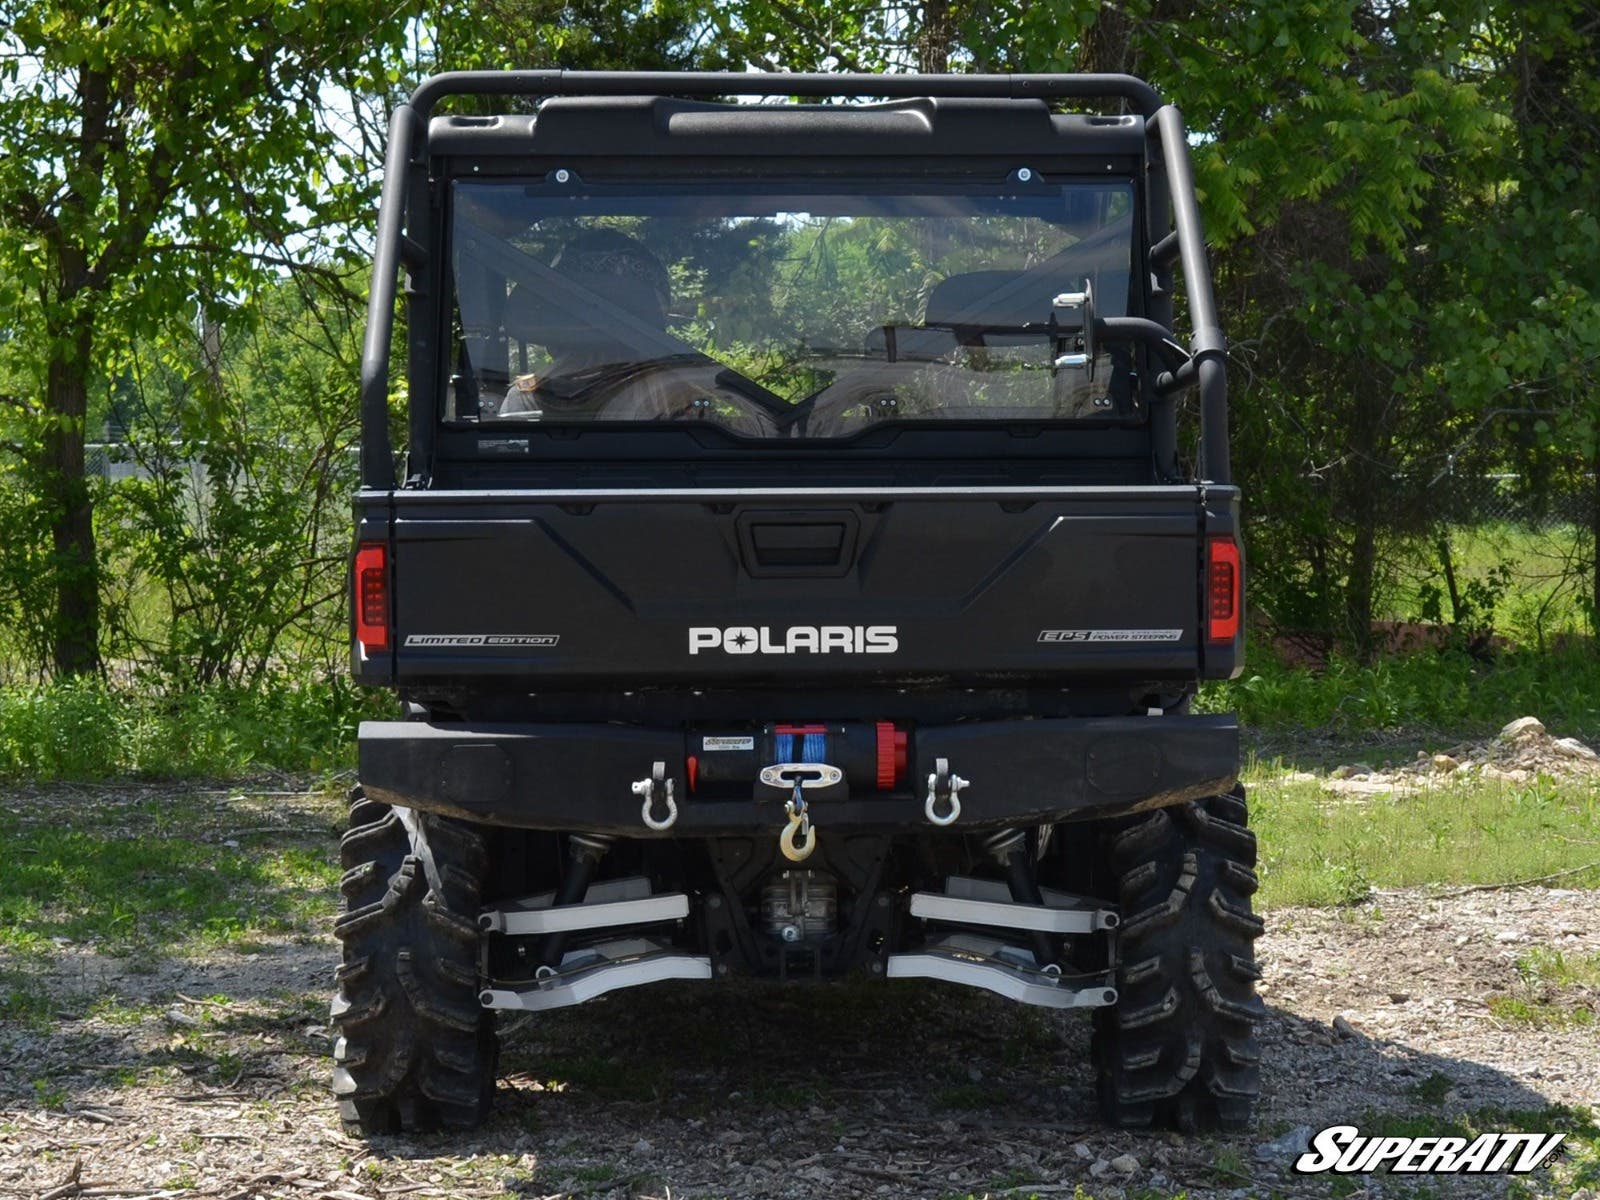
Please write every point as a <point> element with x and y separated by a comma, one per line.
<point>414,1051</point>
<point>1178,1050</point>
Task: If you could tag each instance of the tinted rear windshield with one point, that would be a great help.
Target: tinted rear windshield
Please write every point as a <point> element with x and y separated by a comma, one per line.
<point>782,313</point>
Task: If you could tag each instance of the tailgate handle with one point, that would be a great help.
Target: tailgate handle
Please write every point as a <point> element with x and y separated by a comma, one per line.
<point>820,543</point>
<point>796,545</point>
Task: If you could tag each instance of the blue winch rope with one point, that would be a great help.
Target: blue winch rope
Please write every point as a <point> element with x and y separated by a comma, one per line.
<point>783,747</point>
<point>815,748</point>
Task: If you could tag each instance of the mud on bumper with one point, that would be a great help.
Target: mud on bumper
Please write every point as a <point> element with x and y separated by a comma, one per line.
<point>581,777</point>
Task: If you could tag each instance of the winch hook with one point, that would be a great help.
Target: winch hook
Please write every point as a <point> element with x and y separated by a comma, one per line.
<point>799,826</point>
<point>797,851</point>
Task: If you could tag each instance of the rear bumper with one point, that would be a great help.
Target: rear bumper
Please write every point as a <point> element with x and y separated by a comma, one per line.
<point>580,777</point>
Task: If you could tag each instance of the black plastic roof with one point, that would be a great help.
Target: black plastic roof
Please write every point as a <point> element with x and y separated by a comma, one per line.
<point>643,125</point>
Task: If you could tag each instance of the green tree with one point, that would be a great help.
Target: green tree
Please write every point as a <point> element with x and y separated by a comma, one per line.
<point>593,35</point>
<point>1524,338</point>
<point>158,156</point>
<point>1344,152</point>
<point>231,542</point>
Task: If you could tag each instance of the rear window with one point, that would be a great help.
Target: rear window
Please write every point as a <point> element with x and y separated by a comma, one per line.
<point>773,312</point>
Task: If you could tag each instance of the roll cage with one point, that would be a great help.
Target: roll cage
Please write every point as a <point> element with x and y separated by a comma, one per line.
<point>1172,235</point>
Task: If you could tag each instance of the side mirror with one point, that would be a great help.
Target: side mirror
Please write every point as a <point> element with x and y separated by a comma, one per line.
<point>1073,312</point>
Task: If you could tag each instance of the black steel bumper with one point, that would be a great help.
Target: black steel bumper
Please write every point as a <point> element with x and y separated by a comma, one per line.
<point>580,777</point>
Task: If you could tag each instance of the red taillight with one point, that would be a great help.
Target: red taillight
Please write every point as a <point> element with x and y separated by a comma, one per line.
<point>372,596</point>
<point>1223,589</point>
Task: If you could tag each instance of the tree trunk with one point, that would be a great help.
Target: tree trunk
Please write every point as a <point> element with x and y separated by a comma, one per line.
<point>76,635</point>
<point>933,40</point>
<point>1366,503</point>
<point>1447,564</point>
<point>1359,584</point>
<point>1105,45</point>
<point>1594,544</point>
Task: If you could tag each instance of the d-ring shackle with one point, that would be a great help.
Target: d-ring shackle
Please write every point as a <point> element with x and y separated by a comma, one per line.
<point>943,786</point>
<point>657,786</point>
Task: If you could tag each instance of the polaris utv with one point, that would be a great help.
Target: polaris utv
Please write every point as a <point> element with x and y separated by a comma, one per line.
<point>810,535</point>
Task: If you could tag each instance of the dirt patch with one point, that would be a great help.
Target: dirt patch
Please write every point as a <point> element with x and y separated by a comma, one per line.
<point>205,1074</point>
<point>1520,753</point>
<point>139,1085</point>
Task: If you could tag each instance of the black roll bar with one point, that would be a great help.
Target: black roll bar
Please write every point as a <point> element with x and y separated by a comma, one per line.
<point>377,453</point>
<point>1208,347</point>
<point>1162,121</point>
<point>776,83</point>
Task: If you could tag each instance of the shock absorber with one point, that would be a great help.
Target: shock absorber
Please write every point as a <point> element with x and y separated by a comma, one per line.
<point>1010,849</point>
<point>584,852</point>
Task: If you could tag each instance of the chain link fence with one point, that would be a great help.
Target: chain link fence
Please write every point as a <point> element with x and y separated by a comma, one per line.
<point>112,461</point>
<point>1477,499</point>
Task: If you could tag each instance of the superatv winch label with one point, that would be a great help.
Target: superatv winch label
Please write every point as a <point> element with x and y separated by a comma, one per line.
<point>1110,635</point>
<point>796,639</point>
<point>709,744</point>
<point>482,639</point>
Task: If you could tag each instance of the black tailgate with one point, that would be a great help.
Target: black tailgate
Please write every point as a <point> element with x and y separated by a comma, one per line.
<point>773,585</point>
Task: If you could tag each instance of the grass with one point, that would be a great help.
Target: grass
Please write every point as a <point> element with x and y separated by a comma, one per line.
<point>1431,1090</point>
<point>24,1002</point>
<point>969,1097</point>
<point>1539,1014</point>
<point>1228,1163</point>
<point>1318,853</point>
<point>781,1095</point>
<point>1528,584</point>
<point>1447,691</point>
<point>1576,1164</point>
<point>153,891</point>
<point>1555,991</point>
<point>1544,968</point>
<point>91,729</point>
<point>603,1076</point>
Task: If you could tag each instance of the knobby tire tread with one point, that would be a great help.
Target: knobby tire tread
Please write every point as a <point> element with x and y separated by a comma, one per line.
<point>414,1050</point>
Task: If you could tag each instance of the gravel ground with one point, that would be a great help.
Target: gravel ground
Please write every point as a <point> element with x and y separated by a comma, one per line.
<point>743,1090</point>
<point>1522,751</point>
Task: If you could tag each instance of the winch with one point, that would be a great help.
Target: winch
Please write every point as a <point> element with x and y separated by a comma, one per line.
<point>871,755</point>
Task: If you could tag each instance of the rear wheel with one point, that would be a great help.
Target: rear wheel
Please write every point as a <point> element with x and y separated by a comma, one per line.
<point>1179,1047</point>
<point>414,1050</point>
